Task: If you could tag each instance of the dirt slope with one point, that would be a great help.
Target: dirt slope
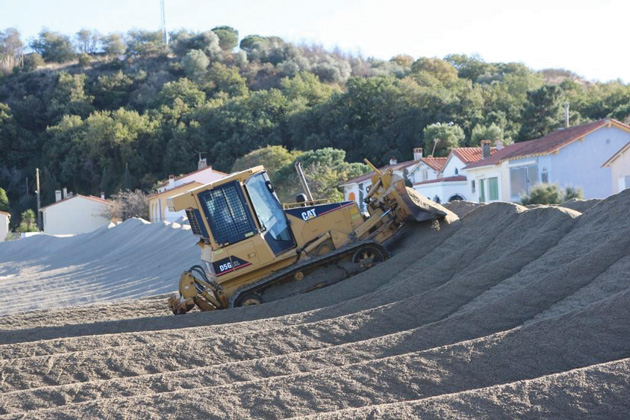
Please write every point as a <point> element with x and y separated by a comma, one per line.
<point>511,312</point>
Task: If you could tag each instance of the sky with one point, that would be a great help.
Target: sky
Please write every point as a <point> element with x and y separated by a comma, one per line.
<point>586,37</point>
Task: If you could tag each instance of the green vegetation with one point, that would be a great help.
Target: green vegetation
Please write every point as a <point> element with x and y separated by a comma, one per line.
<point>28,222</point>
<point>4,201</point>
<point>550,194</point>
<point>105,112</point>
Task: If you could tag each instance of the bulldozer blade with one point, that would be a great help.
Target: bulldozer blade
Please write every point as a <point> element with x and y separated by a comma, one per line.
<point>419,207</point>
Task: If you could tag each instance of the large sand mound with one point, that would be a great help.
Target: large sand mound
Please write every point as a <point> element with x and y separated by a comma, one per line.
<point>510,312</point>
<point>130,260</point>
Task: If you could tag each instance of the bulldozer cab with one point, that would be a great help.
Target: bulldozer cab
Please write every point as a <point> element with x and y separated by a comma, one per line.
<point>236,208</point>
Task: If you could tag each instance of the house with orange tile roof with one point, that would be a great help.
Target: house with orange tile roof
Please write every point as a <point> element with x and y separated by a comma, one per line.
<point>580,157</point>
<point>451,183</point>
<point>158,211</point>
<point>416,170</point>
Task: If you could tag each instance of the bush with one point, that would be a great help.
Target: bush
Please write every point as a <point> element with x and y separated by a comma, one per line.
<point>4,201</point>
<point>549,194</point>
<point>84,60</point>
<point>32,61</point>
<point>28,223</point>
<point>127,204</point>
<point>571,193</point>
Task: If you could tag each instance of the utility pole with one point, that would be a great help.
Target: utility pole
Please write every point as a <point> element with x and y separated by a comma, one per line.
<point>39,214</point>
<point>164,34</point>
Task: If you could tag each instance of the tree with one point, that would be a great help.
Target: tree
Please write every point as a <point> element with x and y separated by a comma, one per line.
<point>492,132</point>
<point>208,42</point>
<point>114,45</point>
<point>4,201</point>
<point>183,90</point>
<point>53,47</point>
<point>273,158</point>
<point>228,37</point>
<point>11,49</point>
<point>195,63</point>
<point>222,78</point>
<point>144,43</point>
<point>28,222</point>
<point>440,69</point>
<point>87,41</point>
<point>324,170</point>
<point>306,86</point>
<point>32,61</point>
<point>542,114</point>
<point>443,137</point>
<point>127,204</point>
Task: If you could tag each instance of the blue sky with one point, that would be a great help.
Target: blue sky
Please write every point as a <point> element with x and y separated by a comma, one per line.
<point>587,37</point>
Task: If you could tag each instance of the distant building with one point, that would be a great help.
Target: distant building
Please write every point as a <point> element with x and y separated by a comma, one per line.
<point>450,183</point>
<point>587,156</point>
<point>158,212</point>
<point>75,214</point>
<point>4,225</point>
<point>619,165</point>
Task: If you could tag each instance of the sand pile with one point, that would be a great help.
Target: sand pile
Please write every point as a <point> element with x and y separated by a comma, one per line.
<point>130,260</point>
<point>510,312</point>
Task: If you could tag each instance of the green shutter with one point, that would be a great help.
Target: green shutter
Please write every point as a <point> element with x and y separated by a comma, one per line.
<point>482,190</point>
<point>493,189</point>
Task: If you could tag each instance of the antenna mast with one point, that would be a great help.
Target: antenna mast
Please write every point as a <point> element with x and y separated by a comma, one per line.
<point>164,34</point>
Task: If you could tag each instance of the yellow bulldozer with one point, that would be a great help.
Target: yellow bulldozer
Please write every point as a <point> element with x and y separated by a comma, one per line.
<point>255,249</point>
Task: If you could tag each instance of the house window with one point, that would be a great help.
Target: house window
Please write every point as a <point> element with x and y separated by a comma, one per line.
<point>493,188</point>
<point>472,186</point>
<point>352,197</point>
<point>522,179</point>
<point>482,190</point>
<point>456,171</point>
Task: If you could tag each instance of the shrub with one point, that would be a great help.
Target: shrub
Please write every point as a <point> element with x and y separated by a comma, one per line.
<point>127,204</point>
<point>28,223</point>
<point>549,194</point>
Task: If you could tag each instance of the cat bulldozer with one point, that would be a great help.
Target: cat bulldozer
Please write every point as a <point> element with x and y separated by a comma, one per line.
<point>255,249</point>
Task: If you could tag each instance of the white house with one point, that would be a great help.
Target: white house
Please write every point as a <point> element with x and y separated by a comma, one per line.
<point>451,183</point>
<point>76,214</point>
<point>416,170</point>
<point>4,224</point>
<point>574,156</point>
<point>619,165</point>
<point>159,212</point>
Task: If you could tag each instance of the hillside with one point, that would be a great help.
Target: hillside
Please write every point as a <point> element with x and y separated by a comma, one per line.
<point>121,112</point>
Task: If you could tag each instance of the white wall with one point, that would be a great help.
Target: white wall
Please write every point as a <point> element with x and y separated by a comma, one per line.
<point>620,170</point>
<point>73,216</point>
<point>477,174</point>
<point>453,167</point>
<point>579,163</point>
<point>4,226</point>
<point>443,190</point>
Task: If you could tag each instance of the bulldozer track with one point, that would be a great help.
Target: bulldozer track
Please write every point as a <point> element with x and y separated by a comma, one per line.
<point>313,263</point>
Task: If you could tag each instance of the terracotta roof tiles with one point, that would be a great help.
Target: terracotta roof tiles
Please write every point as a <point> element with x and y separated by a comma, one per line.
<point>545,145</point>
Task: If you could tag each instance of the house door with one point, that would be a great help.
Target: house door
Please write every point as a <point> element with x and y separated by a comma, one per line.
<point>482,190</point>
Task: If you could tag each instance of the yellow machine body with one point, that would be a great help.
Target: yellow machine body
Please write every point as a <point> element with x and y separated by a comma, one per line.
<point>250,242</point>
